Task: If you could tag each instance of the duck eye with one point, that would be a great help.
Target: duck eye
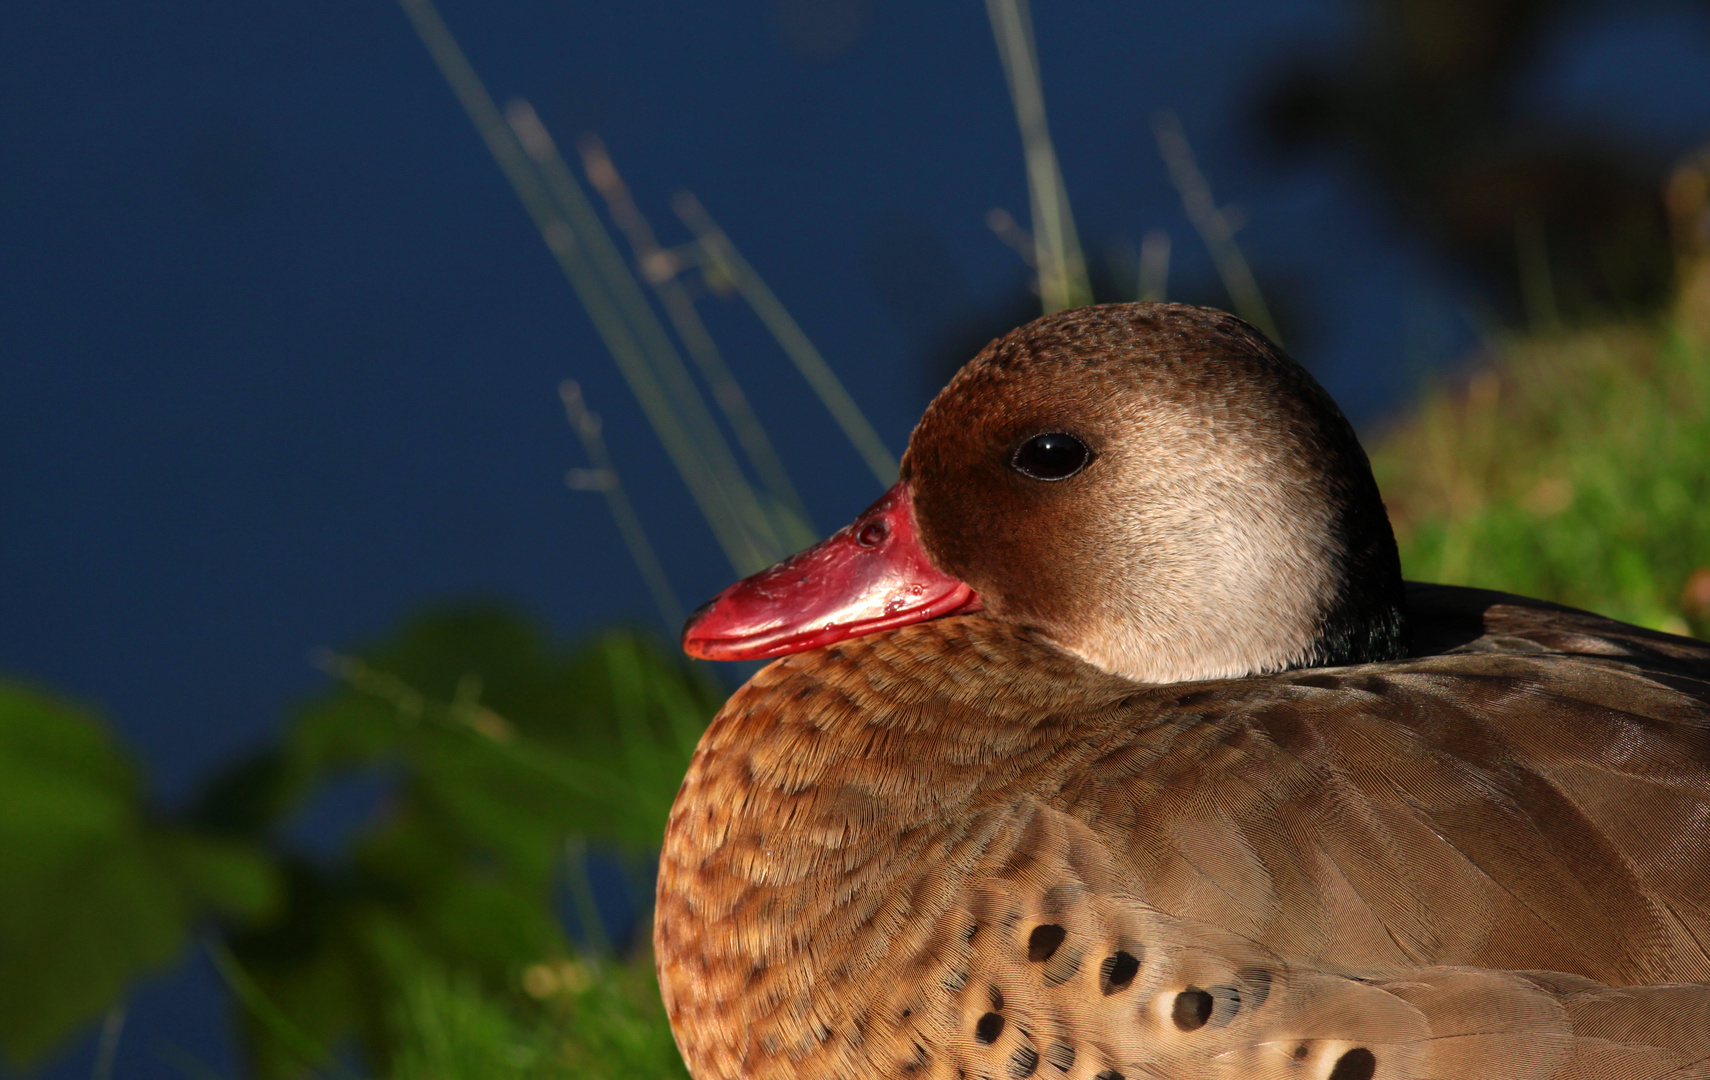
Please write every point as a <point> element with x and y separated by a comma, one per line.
<point>1055,455</point>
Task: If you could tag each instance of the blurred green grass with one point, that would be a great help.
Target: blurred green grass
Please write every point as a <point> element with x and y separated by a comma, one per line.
<point>1572,466</point>
<point>601,1021</point>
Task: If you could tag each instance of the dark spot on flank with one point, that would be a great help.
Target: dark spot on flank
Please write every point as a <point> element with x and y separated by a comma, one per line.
<point>1357,1064</point>
<point>995,996</point>
<point>1026,1059</point>
<point>1300,1052</point>
<point>988,1027</point>
<point>1058,899</point>
<point>1061,1055</point>
<point>1257,982</point>
<point>906,1013</point>
<point>1063,967</point>
<point>1117,971</point>
<point>955,980</point>
<point>971,933</point>
<point>1110,1074</point>
<point>1192,1009</point>
<point>1226,1003</point>
<point>1044,941</point>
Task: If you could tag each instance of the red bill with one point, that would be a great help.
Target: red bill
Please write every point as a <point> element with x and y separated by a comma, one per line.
<point>871,575</point>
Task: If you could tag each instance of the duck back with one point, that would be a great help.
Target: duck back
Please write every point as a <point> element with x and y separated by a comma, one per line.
<point>956,850</point>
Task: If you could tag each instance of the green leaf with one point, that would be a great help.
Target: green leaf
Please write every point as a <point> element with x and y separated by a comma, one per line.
<point>502,746</point>
<point>93,892</point>
<point>220,875</point>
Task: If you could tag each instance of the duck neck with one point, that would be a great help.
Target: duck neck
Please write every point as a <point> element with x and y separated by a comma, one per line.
<point>1366,620</point>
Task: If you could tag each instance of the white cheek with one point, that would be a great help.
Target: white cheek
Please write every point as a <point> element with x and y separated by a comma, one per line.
<point>1232,590</point>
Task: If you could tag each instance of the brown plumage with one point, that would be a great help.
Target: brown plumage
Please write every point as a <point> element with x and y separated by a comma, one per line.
<point>1037,840</point>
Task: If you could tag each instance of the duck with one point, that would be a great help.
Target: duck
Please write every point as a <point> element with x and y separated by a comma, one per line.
<point>1110,743</point>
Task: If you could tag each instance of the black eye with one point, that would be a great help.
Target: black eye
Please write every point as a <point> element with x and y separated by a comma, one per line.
<point>1055,455</point>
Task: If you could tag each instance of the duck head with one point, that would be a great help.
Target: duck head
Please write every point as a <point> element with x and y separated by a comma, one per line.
<point>1155,488</point>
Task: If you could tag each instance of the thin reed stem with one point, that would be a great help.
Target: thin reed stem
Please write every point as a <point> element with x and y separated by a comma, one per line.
<point>107,1050</point>
<point>1154,270</point>
<point>1212,223</point>
<point>1061,266</point>
<point>1537,286</point>
<point>587,426</point>
<point>808,361</point>
<point>713,499</point>
<point>269,1015</point>
<point>691,408</point>
<point>581,889</point>
<point>661,269</point>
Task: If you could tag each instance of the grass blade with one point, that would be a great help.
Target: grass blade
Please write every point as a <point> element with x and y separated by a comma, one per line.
<point>587,427</point>
<point>1154,275</point>
<point>107,1049</point>
<point>734,535</point>
<point>800,350</point>
<point>1212,223</point>
<point>661,269</point>
<point>270,1015</point>
<point>597,942</point>
<point>1061,266</point>
<point>662,356</point>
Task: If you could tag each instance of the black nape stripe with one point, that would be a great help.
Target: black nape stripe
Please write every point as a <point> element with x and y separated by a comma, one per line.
<point>1117,971</point>
<point>1357,1064</point>
<point>1193,1008</point>
<point>1044,941</point>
